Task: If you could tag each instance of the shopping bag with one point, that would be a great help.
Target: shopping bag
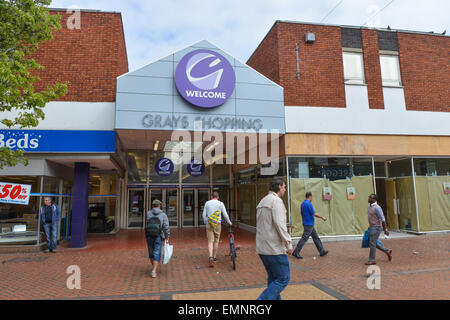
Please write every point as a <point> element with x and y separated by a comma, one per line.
<point>167,252</point>
<point>365,240</point>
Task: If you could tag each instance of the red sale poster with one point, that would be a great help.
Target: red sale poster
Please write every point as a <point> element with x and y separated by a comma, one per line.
<point>15,193</point>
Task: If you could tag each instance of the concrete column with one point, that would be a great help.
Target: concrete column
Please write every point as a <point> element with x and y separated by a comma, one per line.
<point>80,205</point>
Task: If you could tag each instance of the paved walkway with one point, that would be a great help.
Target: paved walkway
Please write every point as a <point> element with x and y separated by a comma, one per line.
<point>117,267</point>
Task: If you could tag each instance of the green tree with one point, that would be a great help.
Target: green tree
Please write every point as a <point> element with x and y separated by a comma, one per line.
<point>24,24</point>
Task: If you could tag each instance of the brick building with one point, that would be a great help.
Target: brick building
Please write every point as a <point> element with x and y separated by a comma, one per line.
<point>353,95</point>
<point>359,110</point>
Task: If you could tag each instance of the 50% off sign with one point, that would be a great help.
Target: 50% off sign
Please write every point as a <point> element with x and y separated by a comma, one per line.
<point>15,193</point>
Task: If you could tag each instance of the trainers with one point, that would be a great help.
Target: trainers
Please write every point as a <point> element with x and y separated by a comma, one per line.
<point>215,259</point>
<point>153,274</point>
<point>324,253</point>
<point>46,250</point>
<point>211,262</point>
<point>53,251</point>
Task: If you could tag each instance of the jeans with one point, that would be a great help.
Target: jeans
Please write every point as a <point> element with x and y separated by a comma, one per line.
<point>51,232</point>
<point>278,272</point>
<point>154,248</point>
<point>307,232</point>
<point>374,234</point>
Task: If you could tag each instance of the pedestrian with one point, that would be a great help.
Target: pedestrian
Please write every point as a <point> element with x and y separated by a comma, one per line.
<point>156,230</point>
<point>376,222</point>
<point>212,217</point>
<point>50,214</point>
<point>308,213</point>
<point>273,242</point>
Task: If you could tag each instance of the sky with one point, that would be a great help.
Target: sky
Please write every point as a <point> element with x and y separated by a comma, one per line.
<point>157,28</point>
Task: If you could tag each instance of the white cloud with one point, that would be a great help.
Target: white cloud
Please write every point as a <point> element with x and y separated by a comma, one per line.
<point>154,29</point>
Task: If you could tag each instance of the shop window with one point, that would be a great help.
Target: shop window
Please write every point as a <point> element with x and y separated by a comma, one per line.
<point>353,67</point>
<point>400,168</point>
<point>339,186</point>
<point>19,223</point>
<point>390,70</point>
<point>103,202</point>
<point>246,176</point>
<point>51,185</point>
<point>196,176</point>
<point>221,174</point>
<point>380,169</point>
<point>171,179</point>
<point>361,167</point>
<point>432,167</point>
<point>137,167</point>
<point>330,168</point>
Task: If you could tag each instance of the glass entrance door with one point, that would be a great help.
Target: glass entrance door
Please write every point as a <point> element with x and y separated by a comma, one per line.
<point>170,206</point>
<point>192,208</point>
<point>188,207</point>
<point>203,196</point>
<point>136,208</point>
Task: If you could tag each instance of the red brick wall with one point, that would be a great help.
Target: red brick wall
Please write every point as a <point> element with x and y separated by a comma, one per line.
<point>425,71</point>
<point>90,58</point>
<point>372,68</point>
<point>265,58</point>
<point>424,65</point>
<point>321,80</point>
<point>321,69</point>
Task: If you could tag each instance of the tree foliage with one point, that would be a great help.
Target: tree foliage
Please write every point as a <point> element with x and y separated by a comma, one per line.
<point>24,24</point>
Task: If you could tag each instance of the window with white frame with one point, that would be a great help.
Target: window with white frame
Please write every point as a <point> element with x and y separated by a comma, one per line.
<point>390,70</point>
<point>353,67</point>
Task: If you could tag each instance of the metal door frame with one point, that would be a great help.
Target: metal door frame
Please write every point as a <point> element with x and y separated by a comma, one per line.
<point>181,211</point>
<point>128,207</point>
<point>197,207</point>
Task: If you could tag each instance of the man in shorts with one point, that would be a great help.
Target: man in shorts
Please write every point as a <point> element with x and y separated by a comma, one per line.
<point>213,231</point>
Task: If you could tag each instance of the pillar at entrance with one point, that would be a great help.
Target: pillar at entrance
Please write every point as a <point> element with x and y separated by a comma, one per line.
<point>80,205</point>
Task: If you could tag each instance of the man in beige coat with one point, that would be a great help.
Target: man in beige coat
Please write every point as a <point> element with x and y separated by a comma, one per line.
<point>273,242</point>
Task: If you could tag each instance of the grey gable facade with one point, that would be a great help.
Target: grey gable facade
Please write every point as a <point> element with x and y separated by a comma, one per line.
<point>147,99</point>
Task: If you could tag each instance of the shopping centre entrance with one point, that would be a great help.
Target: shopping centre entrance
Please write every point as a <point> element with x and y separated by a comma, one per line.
<point>184,207</point>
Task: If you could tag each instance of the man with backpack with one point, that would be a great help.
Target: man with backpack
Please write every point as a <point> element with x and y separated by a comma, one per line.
<point>212,216</point>
<point>156,230</point>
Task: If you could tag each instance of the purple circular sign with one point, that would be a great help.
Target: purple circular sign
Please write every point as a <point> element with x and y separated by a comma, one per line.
<point>205,78</point>
<point>195,168</point>
<point>164,167</point>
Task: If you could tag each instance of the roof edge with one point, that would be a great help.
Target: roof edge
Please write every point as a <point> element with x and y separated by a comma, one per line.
<point>431,33</point>
<point>83,10</point>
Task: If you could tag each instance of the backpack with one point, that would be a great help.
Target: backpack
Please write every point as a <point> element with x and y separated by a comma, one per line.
<point>153,227</point>
<point>213,219</point>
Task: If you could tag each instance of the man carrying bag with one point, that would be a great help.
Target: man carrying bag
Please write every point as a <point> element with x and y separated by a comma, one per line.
<point>156,230</point>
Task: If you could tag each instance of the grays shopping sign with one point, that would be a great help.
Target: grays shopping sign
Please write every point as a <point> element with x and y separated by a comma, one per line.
<point>155,121</point>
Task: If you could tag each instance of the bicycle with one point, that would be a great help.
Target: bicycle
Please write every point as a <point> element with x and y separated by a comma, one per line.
<point>233,249</point>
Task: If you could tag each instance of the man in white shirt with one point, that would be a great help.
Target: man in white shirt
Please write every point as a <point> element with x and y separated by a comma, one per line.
<point>213,232</point>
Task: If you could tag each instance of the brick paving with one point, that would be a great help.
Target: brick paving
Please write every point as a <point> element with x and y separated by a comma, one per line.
<point>118,268</point>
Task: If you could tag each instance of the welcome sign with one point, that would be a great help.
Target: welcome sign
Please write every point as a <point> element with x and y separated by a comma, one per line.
<point>205,78</point>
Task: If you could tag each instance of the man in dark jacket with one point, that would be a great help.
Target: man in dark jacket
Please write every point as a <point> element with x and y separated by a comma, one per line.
<point>50,215</point>
<point>156,230</point>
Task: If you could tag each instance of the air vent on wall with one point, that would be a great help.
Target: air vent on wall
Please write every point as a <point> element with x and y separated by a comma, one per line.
<point>310,37</point>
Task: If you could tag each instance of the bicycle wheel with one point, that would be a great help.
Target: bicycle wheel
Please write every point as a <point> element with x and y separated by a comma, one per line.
<point>233,256</point>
